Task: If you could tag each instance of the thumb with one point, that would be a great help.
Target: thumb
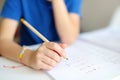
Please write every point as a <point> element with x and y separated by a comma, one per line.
<point>63,45</point>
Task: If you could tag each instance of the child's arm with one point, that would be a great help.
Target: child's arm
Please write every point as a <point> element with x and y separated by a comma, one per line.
<point>7,45</point>
<point>67,24</point>
<point>45,57</point>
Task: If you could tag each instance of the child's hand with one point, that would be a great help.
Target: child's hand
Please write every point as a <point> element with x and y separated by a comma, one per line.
<point>47,56</point>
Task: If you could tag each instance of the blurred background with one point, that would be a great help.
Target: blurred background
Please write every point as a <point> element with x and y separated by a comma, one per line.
<point>96,13</point>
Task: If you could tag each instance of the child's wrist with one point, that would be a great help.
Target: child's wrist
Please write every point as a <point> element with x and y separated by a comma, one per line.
<point>26,57</point>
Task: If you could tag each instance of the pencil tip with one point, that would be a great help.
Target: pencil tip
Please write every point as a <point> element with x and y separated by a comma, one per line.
<point>66,58</point>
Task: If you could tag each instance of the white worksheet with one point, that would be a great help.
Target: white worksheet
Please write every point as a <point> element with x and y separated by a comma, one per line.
<point>108,38</point>
<point>86,62</point>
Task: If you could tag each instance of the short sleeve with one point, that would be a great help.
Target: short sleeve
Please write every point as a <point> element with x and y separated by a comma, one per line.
<point>75,7</point>
<point>11,9</point>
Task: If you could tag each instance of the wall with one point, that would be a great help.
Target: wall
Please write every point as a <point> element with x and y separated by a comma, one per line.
<point>96,13</point>
<point>1,4</point>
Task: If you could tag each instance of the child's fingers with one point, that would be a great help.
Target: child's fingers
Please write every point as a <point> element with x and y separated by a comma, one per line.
<point>37,63</point>
<point>53,55</point>
<point>55,47</point>
<point>49,61</point>
<point>48,52</point>
<point>63,45</point>
<point>45,66</point>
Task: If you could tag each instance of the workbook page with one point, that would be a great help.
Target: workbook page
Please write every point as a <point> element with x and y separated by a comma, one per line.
<point>87,62</point>
<point>108,38</point>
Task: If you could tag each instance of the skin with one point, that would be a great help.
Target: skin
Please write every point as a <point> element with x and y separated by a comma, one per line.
<point>49,54</point>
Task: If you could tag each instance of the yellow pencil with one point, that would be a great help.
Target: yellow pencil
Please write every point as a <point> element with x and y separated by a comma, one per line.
<point>36,32</point>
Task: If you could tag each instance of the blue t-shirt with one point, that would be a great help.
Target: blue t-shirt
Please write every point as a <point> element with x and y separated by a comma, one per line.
<point>39,13</point>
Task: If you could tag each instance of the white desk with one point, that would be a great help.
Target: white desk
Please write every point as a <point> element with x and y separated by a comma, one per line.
<point>21,73</point>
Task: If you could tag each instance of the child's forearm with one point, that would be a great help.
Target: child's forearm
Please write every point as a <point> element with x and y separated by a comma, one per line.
<point>8,48</point>
<point>11,50</point>
<point>66,28</point>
